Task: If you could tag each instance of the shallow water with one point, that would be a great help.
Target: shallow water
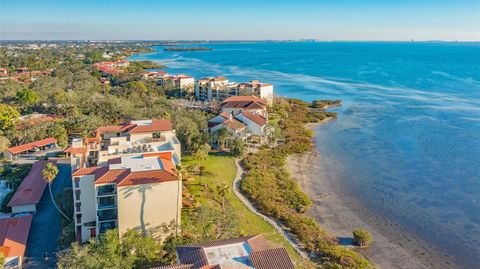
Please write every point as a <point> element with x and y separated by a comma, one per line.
<point>408,130</point>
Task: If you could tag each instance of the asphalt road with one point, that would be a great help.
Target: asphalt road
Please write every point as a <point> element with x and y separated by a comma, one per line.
<point>45,229</point>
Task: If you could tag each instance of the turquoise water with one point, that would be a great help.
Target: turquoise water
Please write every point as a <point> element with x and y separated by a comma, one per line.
<point>408,132</point>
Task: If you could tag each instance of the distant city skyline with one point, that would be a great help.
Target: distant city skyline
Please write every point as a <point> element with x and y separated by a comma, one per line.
<point>349,20</point>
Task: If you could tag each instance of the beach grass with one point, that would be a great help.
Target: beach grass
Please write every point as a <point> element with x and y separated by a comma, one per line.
<point>220,170</point>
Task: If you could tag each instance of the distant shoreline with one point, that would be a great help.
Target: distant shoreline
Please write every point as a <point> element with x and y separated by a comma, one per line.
<point>187,49</point>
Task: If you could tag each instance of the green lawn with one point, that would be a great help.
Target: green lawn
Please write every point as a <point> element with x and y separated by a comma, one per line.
<point>222,169</point>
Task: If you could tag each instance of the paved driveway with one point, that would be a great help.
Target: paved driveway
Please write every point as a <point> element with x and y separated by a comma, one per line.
<point>45,229</point>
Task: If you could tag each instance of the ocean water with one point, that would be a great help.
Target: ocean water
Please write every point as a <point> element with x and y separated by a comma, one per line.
<point>407,135</point>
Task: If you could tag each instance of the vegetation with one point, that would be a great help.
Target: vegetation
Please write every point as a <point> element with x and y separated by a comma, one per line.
<point>206,187</point>
<point>325,103</point>
<point>13,176</point>
<point>362,237</point>
<point>2,260</point>
<point>75,94</point>
<point>133,251</point>
<point>276,194</point>
<point>65,202</point>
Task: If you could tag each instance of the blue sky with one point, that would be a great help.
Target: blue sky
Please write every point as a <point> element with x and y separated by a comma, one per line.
<point>241,19</point>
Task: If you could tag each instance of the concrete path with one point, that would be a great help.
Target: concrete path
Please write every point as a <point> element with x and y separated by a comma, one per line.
<point>236,189</point>
<point>45,230</point>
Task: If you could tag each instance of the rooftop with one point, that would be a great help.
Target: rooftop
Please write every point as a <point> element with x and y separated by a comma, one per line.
<point>243,252</point>
<point>134,170</point>
<point>32,145</point>
<point>31,189</point>
<point>14,234</point>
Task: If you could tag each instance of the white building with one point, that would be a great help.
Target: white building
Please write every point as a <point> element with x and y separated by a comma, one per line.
<point>219,89</point>
<point>141,192</point>
<point>131,138</point>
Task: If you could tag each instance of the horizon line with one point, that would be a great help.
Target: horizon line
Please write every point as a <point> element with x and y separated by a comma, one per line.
<point>240,40</point>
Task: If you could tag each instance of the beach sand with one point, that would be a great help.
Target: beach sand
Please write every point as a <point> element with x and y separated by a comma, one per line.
<point>339,214</point>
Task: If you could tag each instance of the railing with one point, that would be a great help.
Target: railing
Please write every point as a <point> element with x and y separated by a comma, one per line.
<point>107,215</point>
<point>106,190</point>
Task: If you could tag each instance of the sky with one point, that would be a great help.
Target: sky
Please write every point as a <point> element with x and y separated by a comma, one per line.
<point>240,20</point>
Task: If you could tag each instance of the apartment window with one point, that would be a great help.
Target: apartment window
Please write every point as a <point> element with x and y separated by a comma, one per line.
<point>77,182</point>
<point>79,218</point>
<point>157,135</point>
<point>78,205</point>
<point>77,195</point>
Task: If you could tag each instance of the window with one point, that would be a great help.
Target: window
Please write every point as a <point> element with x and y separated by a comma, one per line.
<point>77,182</point>
<point>77,195</point>
<point>157,135</point>
<point>78,205</point>
<point>79,218</point>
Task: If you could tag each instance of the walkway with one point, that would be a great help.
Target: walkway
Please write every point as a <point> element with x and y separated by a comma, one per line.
<point>236,189</point>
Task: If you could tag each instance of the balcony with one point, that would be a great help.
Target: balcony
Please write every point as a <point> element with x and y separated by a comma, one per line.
<point>106,202</point>
<point>107,226</point>
<point>106,190</point>
<point>107,215</point>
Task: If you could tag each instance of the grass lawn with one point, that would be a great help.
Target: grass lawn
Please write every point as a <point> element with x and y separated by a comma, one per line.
<point>220,169</point>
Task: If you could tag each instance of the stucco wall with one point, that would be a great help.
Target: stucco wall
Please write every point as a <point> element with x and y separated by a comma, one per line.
<point>88,203</point>
<point>147,206</point>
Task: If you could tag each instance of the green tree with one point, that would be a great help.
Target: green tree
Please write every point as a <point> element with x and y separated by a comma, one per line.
<point>4,144</point>
<point>57,131</point>
<point>222,191</point>
<point>8,117</point>
<point>26,98</point>
<point>134,250</point>
<point>2,260</point>
<point>221,136</point>
<point>49,174</point>
<point>202,152</point>
<point>362,237</point>
<point>237,148</point>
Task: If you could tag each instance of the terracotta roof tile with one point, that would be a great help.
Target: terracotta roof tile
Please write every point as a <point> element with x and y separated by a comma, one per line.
<point>14,234</point>
<point>156,126</point>
<point>31,189</point>
<point>255,118</point>
<point>111,176</point>
<point>246,98</point>
<point>271,258</point>
<point>147,177</point>
<point>32,145</point>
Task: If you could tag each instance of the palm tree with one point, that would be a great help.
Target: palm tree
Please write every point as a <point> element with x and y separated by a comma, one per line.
<point>49,174</point>
<point>223,190</point>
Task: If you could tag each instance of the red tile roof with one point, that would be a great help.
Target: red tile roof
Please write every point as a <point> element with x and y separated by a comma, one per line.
<point>111,176</point>
<point>147,177</point>
<point>14,234</point>
<point>71,150</point>
<point>247,98</point>
<point>32,145</point>
<point>271,258</point>
<point>32,187</point>
<point>87,171</point>
<point>255,118</point>
<point>156,126</point>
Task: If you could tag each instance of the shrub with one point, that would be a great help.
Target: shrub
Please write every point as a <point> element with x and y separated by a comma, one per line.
<point>362,237</point>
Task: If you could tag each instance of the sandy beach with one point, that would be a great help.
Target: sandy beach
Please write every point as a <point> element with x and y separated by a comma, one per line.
<point>339,214</point>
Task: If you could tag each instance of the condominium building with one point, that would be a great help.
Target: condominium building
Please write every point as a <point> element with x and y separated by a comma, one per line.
<point>126,139</point>
<point>219,89</point>
<point>177,82</point>
<point>140,192</point>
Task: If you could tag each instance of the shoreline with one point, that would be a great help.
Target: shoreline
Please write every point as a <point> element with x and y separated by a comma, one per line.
<point>339,214</point>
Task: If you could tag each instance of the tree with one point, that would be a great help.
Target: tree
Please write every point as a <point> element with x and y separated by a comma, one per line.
<point>4,143</point>
<point>202,152</point>
<point>362,237</point>
<point>27,98</point>
<point>49,174</point>
<point>134,250</point>
<point>237,148</point>
<point>221,137</point>
<point>8,117</point>
<point>58,132</point>
<point>222,191</point>
<point>2,260</point>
